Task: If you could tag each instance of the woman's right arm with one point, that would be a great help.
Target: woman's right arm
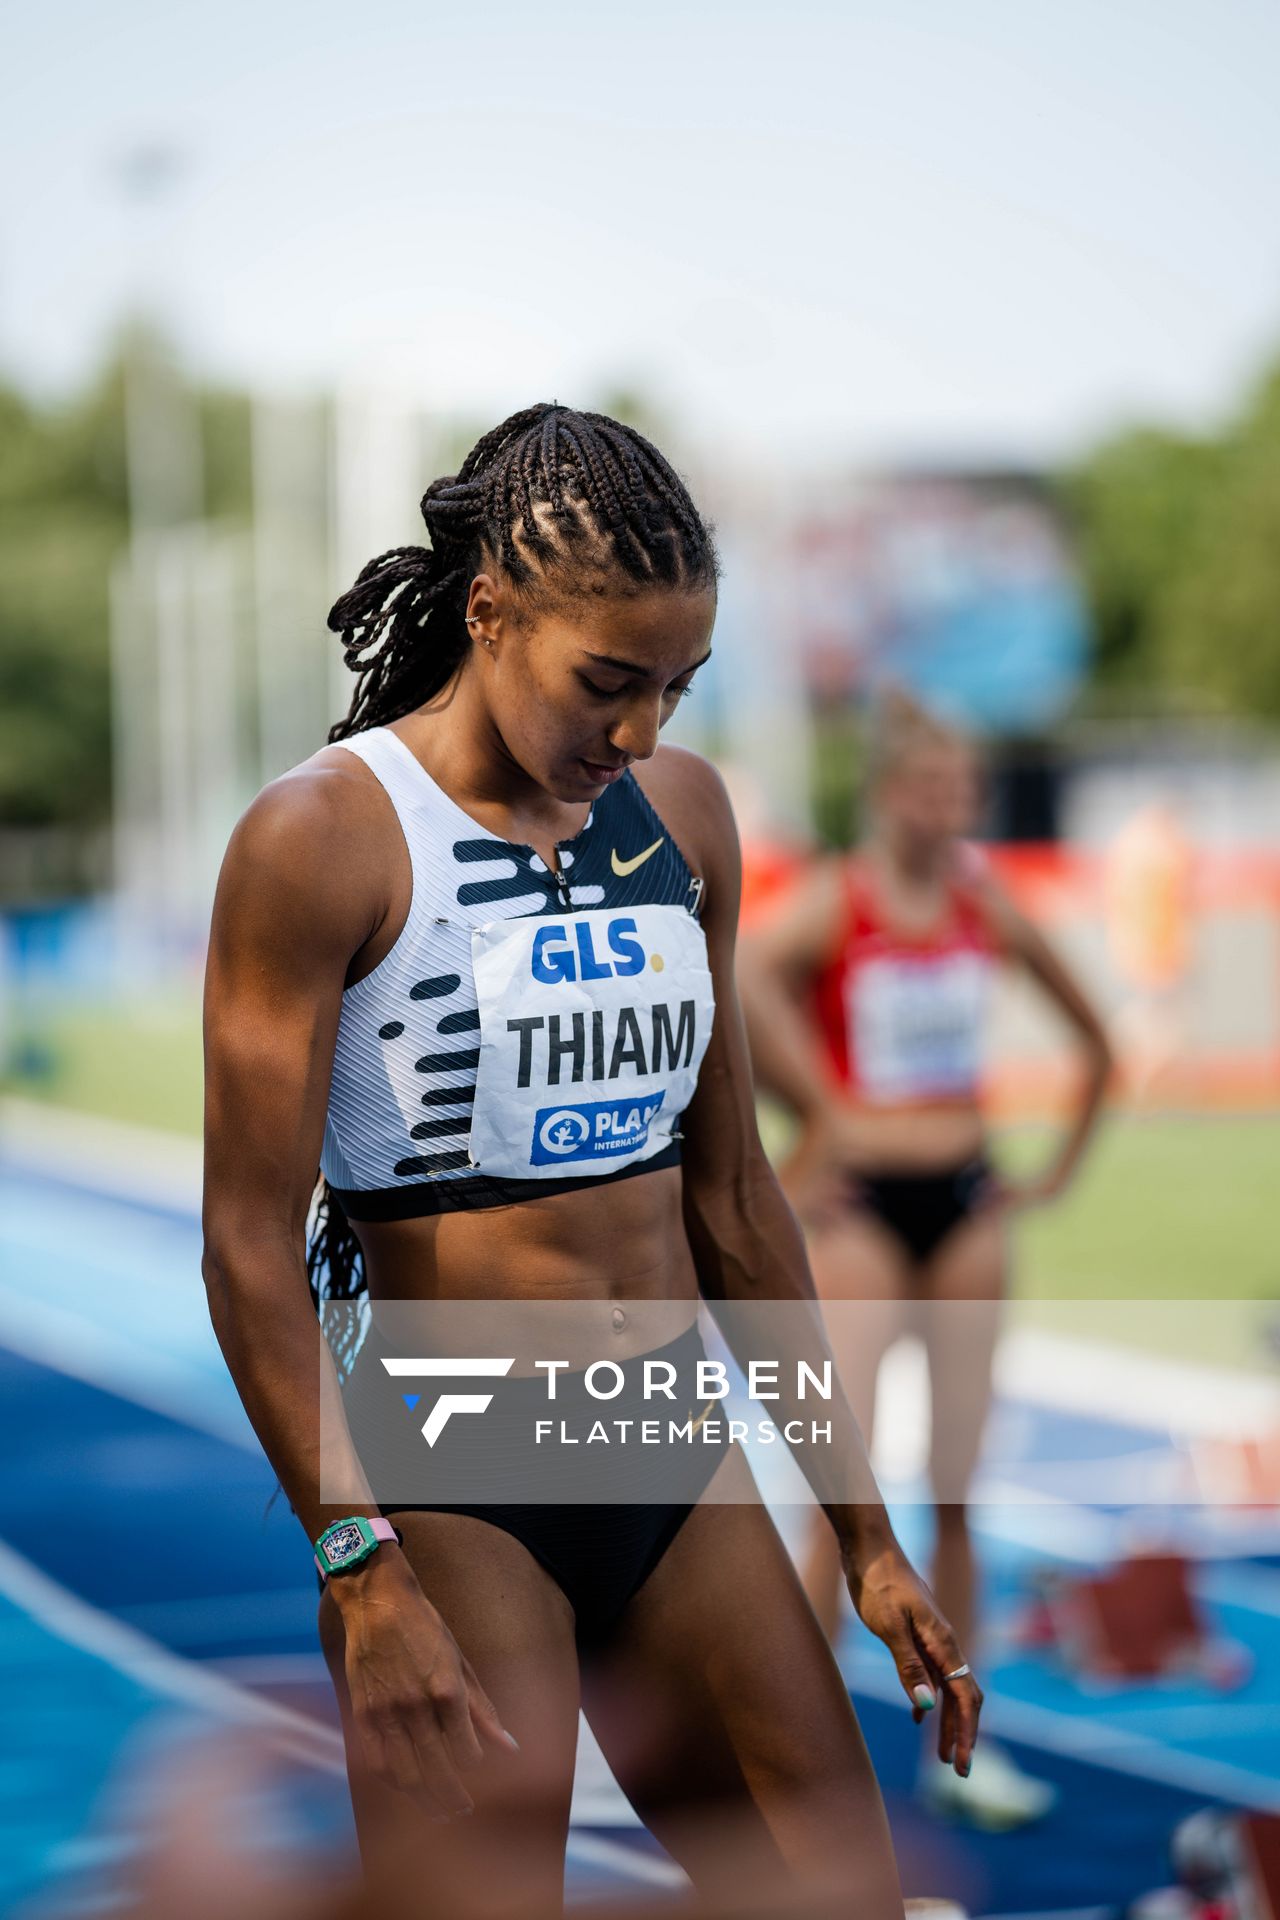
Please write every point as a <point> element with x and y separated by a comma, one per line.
<point>777,957</point>
<point>300,893</point>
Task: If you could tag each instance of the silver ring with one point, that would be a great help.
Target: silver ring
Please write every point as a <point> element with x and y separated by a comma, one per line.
<point>959,1673</point>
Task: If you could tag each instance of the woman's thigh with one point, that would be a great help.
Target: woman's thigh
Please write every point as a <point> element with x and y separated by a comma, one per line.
<point>963,1287</point>
<point>721,1710</point>
<point>513,1624</point>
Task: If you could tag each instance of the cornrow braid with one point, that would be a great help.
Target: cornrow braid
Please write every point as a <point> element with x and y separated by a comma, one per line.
<point>616,512</point>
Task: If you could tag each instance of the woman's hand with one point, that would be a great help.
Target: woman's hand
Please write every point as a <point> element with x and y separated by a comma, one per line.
<point>422,1716</point>
<point>1013,1196</point>
<point>819,1175</point>
<point>894,1602</point>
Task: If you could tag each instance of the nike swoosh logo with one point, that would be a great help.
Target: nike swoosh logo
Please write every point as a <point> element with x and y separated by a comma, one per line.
<point>622,867</point>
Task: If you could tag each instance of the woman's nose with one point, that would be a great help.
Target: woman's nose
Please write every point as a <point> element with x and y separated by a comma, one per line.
<point>636,734</point>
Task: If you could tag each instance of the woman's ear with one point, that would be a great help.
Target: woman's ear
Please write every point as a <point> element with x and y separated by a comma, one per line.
<point>484,612</point>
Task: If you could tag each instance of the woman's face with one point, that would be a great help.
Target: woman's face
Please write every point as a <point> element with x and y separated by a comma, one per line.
<point>932,793</point>
<point>577,694</point>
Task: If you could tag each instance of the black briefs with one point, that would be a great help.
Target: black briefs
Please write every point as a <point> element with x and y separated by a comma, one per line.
<point>599,1557</point>
<point>627,1500</point>
<point>922,1208</point>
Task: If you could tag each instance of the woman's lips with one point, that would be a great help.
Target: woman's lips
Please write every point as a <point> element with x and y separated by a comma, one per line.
<point>606,774</point>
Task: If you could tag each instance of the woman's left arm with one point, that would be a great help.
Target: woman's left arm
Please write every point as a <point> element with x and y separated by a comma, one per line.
<point>748,1249</point>
<point>1024,943</point>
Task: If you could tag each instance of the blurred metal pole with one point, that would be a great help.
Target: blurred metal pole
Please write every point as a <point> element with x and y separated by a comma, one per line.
<point>766,724</point>
<point>132,730</point>
<point>216,571</point>
<point>162,440</point>
<point>374,496</point>
<point>162,429</point>
<point>172,596</point>
<point>293,651</point>
<point>164,466</point>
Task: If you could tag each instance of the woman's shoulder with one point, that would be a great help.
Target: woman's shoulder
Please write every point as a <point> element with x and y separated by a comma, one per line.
<point>688,793</point>
<point>318,818</point>
<point>678,773</point>
<point>981,899</point>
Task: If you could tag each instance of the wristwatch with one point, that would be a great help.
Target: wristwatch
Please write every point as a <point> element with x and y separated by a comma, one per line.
<point>348,1543</point>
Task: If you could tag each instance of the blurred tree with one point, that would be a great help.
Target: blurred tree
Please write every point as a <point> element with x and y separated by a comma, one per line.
<point>1135,504</point>
<point>63,520</point>
<point>837,771</point>
<point>1219,616</point>
<point>1179,541</point>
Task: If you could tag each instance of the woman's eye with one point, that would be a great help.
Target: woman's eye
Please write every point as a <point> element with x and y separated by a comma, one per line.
<point>611,693</point>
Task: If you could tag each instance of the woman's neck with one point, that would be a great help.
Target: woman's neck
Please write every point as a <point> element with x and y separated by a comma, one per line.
<point>454,737</point>
<point>912,859</point>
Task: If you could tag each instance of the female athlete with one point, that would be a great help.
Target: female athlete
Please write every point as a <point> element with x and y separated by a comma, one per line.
<point>393,920</point>
<point>864,985</point>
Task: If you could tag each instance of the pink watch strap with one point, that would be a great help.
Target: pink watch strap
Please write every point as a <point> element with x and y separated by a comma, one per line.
<point>381,1530</point>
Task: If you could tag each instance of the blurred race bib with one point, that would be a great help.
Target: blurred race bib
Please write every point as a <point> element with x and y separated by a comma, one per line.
<point>916,1025</point>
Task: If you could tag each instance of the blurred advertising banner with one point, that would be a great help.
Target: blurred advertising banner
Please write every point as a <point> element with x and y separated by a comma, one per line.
<point>1181,945</point>
<point>960,589</point>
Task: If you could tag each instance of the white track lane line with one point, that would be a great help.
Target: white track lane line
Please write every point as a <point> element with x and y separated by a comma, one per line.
<point>56,1338</point>
<point>597,1850</point>
<point>77,1623</point>
<point>1097,1744</point>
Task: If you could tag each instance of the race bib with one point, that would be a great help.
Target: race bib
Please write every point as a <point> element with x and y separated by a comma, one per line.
<point>916,1025</point>
<point>592,1030</point>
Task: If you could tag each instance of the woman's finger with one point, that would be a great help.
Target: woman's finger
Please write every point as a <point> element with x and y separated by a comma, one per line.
<point>436,1770</point>
<point>485,1717</point>
<point>453,1713</point>
<point>958,1728</point>
<point>917,1681</point>
<point>961,1690</point>
<point>968,1705</point>
<point>402,1768</point>
<point>947,1724</point>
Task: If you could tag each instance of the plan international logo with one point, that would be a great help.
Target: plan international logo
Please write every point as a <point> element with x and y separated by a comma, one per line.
<point>605,1380</point>
<point>596,1127</point>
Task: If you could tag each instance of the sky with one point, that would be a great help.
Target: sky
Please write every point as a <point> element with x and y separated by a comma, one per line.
<point>959,230</point>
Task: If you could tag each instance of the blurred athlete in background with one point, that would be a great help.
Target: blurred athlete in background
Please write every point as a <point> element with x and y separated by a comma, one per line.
<point>1149,888</point>
<point>864,983</point>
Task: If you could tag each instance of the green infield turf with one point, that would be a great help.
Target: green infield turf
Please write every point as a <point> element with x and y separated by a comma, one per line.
<point>140,1063</point>
<point>1177,1207</point>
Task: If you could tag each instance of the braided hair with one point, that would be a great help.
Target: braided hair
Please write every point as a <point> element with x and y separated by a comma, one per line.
<point>562,504</point>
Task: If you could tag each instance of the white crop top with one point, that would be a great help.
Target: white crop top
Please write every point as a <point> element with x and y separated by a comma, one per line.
<point>521,1036</point>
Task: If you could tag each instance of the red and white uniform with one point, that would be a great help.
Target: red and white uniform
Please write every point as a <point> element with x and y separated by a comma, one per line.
<point>903,1012</point>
